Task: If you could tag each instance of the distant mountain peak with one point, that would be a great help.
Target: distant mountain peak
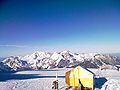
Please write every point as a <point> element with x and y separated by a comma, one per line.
<point>46,60</point>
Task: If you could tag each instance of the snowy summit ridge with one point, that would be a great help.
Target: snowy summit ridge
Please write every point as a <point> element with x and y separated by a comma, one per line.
<point>45,60</point>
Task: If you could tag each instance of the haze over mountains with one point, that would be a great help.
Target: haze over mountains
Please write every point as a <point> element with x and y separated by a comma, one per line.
<point>46,60</point>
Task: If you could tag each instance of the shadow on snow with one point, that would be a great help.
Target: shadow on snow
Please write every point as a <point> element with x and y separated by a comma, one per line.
<point>99,82</point>
<point>13,76</point>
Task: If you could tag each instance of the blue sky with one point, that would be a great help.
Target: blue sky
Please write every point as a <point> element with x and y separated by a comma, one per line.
<point>56,25</point>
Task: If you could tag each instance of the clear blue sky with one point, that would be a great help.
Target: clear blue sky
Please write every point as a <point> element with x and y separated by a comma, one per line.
<point>56,25</point>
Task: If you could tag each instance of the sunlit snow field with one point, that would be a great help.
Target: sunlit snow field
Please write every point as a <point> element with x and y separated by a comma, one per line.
<point>42,80</point>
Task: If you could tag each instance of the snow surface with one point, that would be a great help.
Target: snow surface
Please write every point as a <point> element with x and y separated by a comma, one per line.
<point>42,80</point>
<point>111,84</point>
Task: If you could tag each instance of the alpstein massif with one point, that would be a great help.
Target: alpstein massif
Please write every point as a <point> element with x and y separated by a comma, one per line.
<point>46,60</point>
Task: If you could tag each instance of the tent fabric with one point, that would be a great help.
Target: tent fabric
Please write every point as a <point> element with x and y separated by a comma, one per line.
<point>79,75</point>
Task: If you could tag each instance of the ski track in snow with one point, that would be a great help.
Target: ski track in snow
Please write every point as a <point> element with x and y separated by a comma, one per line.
<point>45,82</point>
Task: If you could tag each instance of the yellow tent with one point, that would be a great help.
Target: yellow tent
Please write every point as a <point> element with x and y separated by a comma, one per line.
<point>79,75</point>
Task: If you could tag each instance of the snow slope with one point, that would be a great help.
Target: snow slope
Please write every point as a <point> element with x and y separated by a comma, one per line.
<point>111,84</point>
<point>5,68</point>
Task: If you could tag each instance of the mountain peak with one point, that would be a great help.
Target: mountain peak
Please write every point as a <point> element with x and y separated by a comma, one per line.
<point>45,60</point>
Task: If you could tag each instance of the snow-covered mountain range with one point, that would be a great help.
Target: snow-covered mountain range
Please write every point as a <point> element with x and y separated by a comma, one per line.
<point>46,60</point>
<point>5,68</point>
